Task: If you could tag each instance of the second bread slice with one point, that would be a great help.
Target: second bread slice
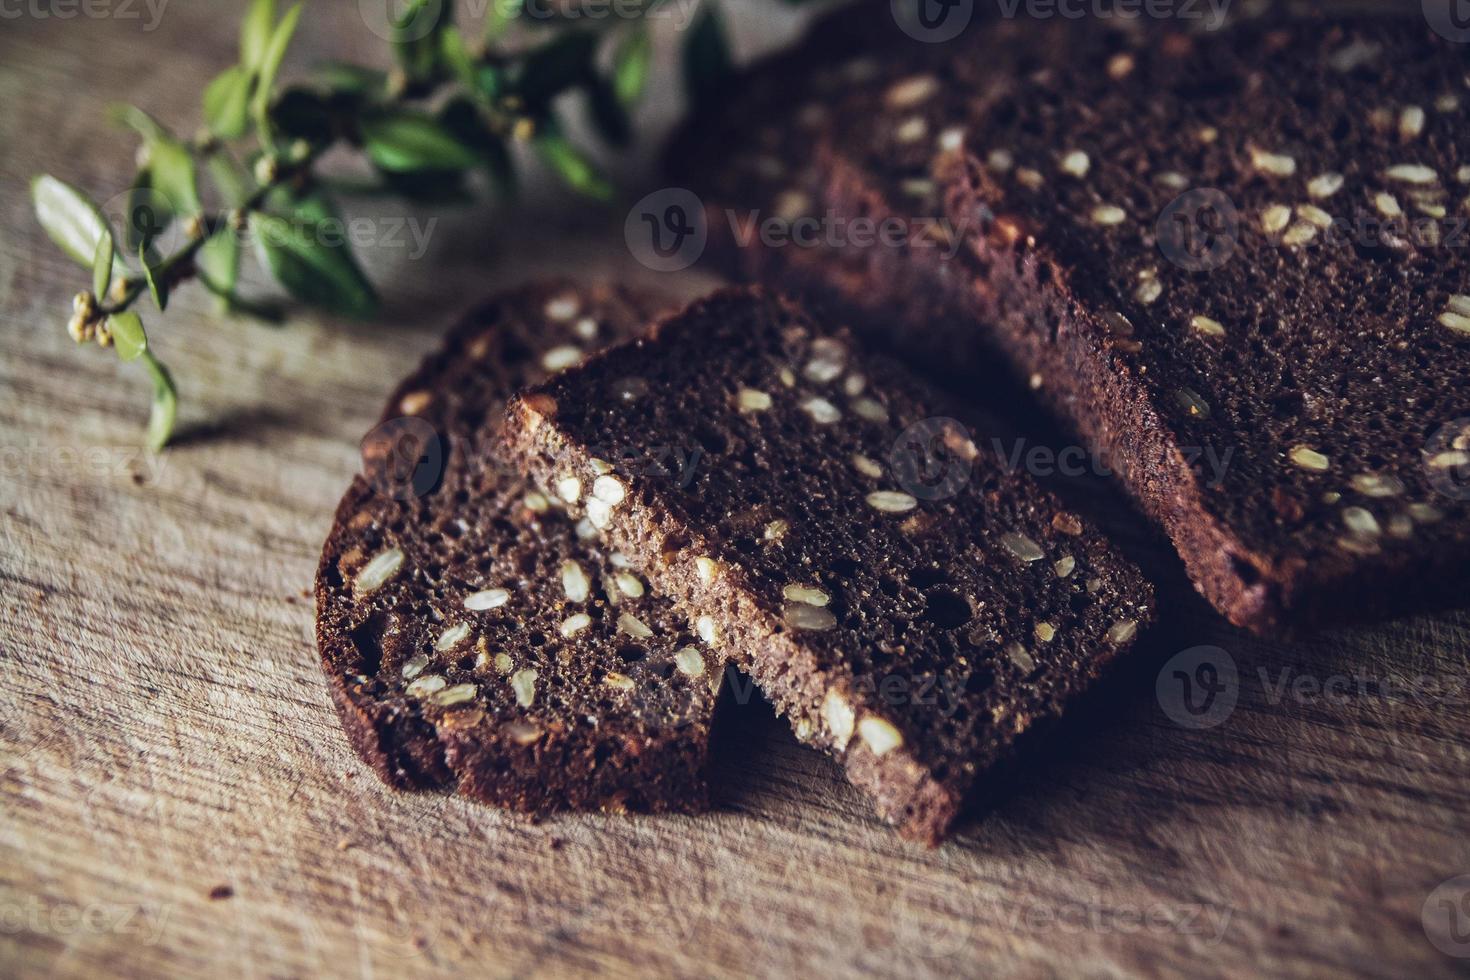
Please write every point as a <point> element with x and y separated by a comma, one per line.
<point>908,605</point>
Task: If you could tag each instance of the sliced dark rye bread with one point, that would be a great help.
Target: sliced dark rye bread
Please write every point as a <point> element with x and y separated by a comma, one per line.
<point>1327,362</point>
<point>908,604</point>
<point>473,637</point>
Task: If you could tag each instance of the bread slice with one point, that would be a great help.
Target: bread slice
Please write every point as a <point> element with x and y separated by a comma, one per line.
<point>472,636</point>
<point>1285,393</point>
<point>908,604</point>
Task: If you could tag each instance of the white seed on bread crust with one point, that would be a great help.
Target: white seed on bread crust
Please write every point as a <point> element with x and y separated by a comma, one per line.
<point>1309,459</point>
<point>879,735</point>
<point>486,599</point>
<point>1023,547</point>
<point>383,566</point>
<point>891,501</point>
<point>839,718</point>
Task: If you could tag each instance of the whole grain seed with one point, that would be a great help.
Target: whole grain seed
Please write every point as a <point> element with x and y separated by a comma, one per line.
<point>561,358</point>
<point>574,581</point>
<point>1308,459</point>
<point>751,400</point>
<point>1324,185</point>
<point>452,636</point>
<point>634,627</point>
<point>575,624</point>
<point>689,661</point>
<point>383,566</point>
<point>523,683</point>
<point>838,716</point>
<point>879,735</point>
<point>805,593</point>
<point>1023,547</point>
<point>821,410</point>
<point>891,501</point>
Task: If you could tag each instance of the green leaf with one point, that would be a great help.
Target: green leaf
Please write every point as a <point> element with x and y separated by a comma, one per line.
<point>127,335</point>
<point>71,221</point>
<point>631,61</point>
<point>415,49</point>
<point>575,170</point>
<point>255,33</point>
<point>499,17</point>
<point>165,402</point>
<point>462,118</point>
<point>707,60</point>
<point>148,213</point>
<point>227,103</point>
<point>310,207</point>
<point>457,57</point>
<point>556,66</point>
<point>137,120</point>
<point>488,81</point>
<point>312,270</point>
<point>270,313</point>
<point>218,261</point>
<point>102,265</point>
<point>271,58</point>
<point>157,287</point>
<point>407,141</point>
<point>234,184</point>
<point>342,78</point>
<point>173,177</point>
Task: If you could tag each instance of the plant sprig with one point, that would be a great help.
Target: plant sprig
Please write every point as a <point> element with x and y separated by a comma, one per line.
<point>451,106</point>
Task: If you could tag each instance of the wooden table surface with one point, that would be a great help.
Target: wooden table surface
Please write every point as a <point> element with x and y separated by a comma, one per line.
<point>176,796</point>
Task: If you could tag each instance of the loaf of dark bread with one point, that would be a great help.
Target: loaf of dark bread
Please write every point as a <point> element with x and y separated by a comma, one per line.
<point>473,637</point>
<point>907,603</point>
<point>1233,260</point>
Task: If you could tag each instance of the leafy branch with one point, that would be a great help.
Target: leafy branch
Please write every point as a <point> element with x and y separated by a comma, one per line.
<point>452,105</point>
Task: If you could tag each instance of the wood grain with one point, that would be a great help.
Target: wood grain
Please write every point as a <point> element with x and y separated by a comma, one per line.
<point>178,799</point>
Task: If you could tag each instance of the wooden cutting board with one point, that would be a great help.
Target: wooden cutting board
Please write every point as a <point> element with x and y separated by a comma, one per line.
<point>176,797</point>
